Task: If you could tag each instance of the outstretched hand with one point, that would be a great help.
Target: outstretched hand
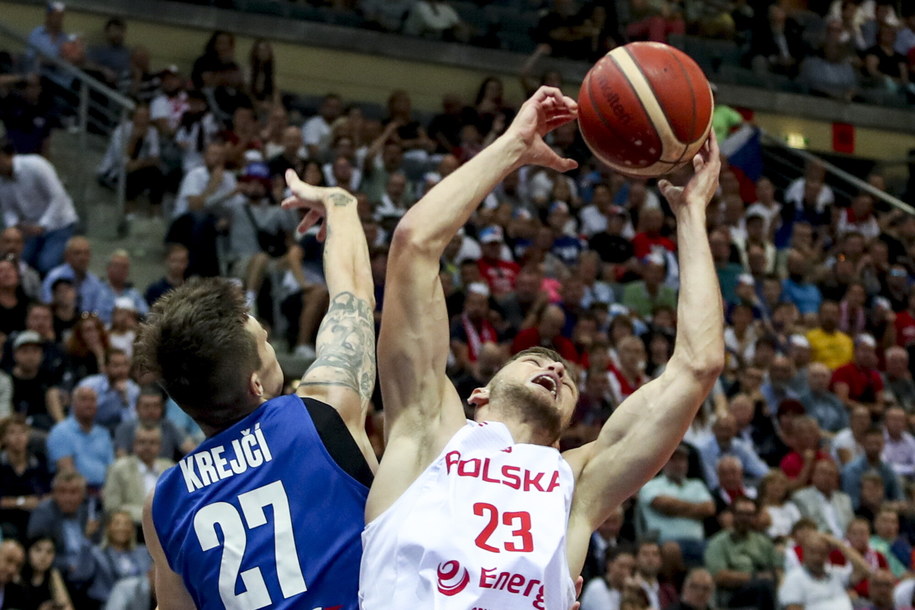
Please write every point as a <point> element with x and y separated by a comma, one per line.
<point>546,110</point>
<point>315,199</point>
<point>703,184</point>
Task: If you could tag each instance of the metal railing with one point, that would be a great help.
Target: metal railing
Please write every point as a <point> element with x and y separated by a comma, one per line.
<point>848,184</point>
<point>97,108</point>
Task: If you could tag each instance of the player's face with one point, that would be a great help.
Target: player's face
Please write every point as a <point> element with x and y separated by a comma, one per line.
<point>542,381</point>
<point>270,373</point>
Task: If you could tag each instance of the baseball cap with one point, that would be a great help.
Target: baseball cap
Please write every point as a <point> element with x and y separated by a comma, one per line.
<point>865,339</point>
<point>491,234</point>
<point>799,341</point>
<point>255,171</point>
<point>125,303</point>
<point>746,278</point>
<point>170,69</point>
<point>478,288</point>
<point>27,337</point>
<point>56,7</point>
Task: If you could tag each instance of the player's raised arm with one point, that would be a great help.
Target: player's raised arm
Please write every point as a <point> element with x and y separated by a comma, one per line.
<point>413,345</point>
<point>643,432</point>
<point>343,373</point>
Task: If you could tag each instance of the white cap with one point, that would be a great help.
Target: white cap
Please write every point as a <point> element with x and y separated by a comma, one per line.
<point>478,288</point>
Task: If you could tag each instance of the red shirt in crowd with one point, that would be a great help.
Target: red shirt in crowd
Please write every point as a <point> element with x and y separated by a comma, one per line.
<point>793,463</point>
<point>905,328</point>
<point>643,243</point>
<point>863,384</point>
<point>500,275</point>
<point>530,337</point>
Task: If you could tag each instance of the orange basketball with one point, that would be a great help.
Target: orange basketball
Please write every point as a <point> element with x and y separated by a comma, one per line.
<point>645,109</point>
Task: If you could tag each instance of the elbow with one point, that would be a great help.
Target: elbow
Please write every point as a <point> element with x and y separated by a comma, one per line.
<point>411,240</point>
<point>705,368</point>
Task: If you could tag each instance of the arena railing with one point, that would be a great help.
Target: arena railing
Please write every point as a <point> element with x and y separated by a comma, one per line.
<point>91,107</point>
<point>848,184</point>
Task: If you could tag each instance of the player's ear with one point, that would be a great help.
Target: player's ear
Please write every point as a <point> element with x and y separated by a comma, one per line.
<point>479,398</point>
<point>255,387</point>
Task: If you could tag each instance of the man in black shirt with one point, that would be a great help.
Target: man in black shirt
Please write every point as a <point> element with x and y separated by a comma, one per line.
<point>24,479</point>
<point>35,394</point>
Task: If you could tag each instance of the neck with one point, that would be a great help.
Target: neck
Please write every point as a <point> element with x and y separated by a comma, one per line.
<point>85,425</point>
<point>174,279</point>
<point>17,457</point>
<point>24,373</point>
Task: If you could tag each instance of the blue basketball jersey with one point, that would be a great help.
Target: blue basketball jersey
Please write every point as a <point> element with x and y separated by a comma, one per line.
<point>261,516</point>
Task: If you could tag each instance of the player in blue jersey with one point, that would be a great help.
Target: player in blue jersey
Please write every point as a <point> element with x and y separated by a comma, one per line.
<point>267,512</point>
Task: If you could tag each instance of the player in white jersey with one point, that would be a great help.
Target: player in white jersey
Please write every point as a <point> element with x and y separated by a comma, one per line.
<point>489,515</point>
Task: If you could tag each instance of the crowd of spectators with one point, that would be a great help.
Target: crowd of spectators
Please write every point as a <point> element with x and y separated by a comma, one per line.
<point>793,486</point>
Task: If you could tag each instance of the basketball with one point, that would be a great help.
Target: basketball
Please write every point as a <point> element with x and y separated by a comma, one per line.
<point>645,109</point>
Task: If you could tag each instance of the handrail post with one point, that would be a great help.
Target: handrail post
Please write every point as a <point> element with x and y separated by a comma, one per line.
<point>83,119</point>
<point>122,171</point>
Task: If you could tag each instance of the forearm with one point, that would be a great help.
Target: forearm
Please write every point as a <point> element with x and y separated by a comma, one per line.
<point>54,404</point>
<point>346,254</point>
<point>700,339</point>
<point>431,223</point>
<point>731,579</point>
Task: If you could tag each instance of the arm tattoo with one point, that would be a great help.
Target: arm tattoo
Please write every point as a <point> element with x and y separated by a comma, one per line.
<point>346,344</point>
<point>340,200</point>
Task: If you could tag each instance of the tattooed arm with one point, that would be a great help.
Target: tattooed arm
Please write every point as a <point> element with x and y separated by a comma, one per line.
<point>343,373</point>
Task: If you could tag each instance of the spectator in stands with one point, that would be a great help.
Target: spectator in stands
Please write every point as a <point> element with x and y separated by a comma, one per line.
<point>605,591</point>
<point>822,501</point>
<point>290,157</point>
<point>566,29</point>
<point>111,61</point>
<point>132,477</point>
<point>261,75</point>
<point>118,286</point>
<point>77,444</point>
<point>167,108</point>
<point>218,74</point>
<point>202,191</point>
<point>880,588</point>
<point>24,479</point>
<point>35,391</point>
<point>176,263</point>
<point>48,38</point>
<point>830,73</point>
<point>627,374</point>
<point>898,378</point>
<point>387,15</point>
<point>135,147</point>
<point>779,513</point>
<point>151,413</point>
<point>196,131</point>
<point>821,404</point>
<point>28,115</point>
<point>13,300</point>
<point>11,559</point>
<point>698,591</point>
<point>804,440</point>
<point>473,328</point>
<point>905,38</point>
<point>644,296</point>
<point>316,131</point>
<point>546,333</point>
<point>900,444</point>
<point>33,199</point>
<point>89,287</point>
<point>812,583</point>
<point>118,556</point>
<point>608,535</point>
<point>64,306</point>
<point>673,506</point>
<point>12,244</point>
<point>859,382</point>
<point>777,46</point>
<point>500,274</point>
<point>848,442</point>
<point>242,137</point>
<point>743,562</point>
<point>85,349</point>
<point>884,65</point>
<point>828,344</point>
<point>124,326</point>
<point>871,461</point>
<point>886,540</point>
<point>116,393</point>
<point>66,518</point>
<point>436,19</point>
<point>730,478</point>
<point>42,581</point>
<point>647,568</point>
<point>654,21</point>
<point>724,443</point>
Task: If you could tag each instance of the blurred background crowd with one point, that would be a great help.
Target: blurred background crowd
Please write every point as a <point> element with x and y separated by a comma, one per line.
<point>794,485</point>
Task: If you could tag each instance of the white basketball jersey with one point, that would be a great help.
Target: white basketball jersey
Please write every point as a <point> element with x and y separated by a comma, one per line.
<point>483,527</point>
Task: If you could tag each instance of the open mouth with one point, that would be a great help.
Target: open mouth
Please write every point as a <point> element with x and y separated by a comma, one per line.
<point>549,382</point>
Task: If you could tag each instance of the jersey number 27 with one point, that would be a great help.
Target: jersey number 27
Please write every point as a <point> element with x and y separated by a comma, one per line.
<point>235,539</point>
